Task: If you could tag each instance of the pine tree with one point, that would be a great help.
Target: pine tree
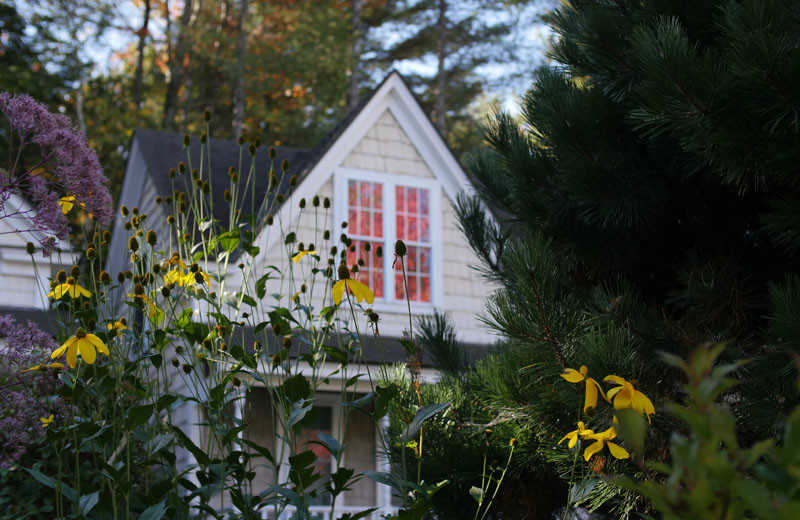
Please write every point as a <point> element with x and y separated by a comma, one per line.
<point>647,203</point>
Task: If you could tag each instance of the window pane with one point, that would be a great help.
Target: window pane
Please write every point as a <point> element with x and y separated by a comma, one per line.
<point>413,214</point>
<point>365,211</point>
<point>400,199</point>
<point>411,200</point>
<point>425,289</point>
<point>424,230</point>
<point>418,272</point>
<point>411,232</point>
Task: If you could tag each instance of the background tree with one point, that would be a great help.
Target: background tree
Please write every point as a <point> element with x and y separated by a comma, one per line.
<point>449,41</point>
<point>646,204</point>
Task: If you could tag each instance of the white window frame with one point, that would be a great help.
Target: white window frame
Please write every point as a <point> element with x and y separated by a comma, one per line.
<point>341,178</point>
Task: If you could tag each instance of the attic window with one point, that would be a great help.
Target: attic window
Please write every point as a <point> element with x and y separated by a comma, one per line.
<point>381,209</point>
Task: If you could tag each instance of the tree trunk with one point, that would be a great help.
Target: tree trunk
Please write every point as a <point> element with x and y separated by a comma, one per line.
<point>241,55</point>
<point>441,54</point>
<point>355,53</point>
<point>139,75</point>
<point>177,68</point>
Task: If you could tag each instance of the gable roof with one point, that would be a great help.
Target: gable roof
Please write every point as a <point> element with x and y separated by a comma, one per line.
<point>393,95</point>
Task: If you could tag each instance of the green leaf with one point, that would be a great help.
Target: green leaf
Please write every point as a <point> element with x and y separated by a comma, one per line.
<point>138,415</point>
<point>423,414</point>
<point>302,459</point>
<point>476,493</point>
<point>290,238</point>
<point>87,502</point>
<point>199,455</point>
<point>410,346</point>
<point>246,298</point>
<point>336,354</point>
<point>261,326</point>
<point>261,286</point>
<point>229,241</point>
<point>50,482</point>
<point>296,388</point>
<point>632,429</point>
<point>155,512</point>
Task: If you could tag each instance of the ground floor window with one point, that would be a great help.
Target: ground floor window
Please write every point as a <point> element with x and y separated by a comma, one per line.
<point>351,427</point>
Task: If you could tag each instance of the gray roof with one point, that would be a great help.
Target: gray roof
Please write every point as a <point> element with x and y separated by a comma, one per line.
<point>163,150</point>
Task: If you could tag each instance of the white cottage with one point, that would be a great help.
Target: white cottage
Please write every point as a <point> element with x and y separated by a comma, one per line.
<point>388,173</point>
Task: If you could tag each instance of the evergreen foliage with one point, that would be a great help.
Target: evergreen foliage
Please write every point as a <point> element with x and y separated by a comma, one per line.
<point>645,204</point>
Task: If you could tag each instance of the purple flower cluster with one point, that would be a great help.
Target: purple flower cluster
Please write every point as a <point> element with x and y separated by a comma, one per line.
<point>23,396</point>
<point>67,167</point>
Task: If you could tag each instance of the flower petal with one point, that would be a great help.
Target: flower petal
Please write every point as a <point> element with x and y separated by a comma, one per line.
<point>88,351</point>
<point>60,350</point>
<point>72,354</point>
<point>567,436</point>
<point>360,291</point>
<point>82,291</point>
<point>590,403</point>
<point>618,451</point>
<point>338,291</point>
<point>592,449</point>
<point>572,375</point>
<point>614,379</point>
<point>590,381</point>
<point>622,401</point>
<point>573,441</point>
<point>98,343</point>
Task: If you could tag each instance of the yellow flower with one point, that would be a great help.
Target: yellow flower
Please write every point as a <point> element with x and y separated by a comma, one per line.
<point>592,386</point>
<point>175,259</point>
<point>87,344</point>
<point>359,290</point>
<point>153,312</point>
<point>119,325</point>
<point>69,287</point>
<point>67,202</point>
<point>174,276</point>
<point>626,396</point>
<point>573,435</point>
<point>191,278</point>
<point>46,421</point>
<point>602,439</point>
<point>180,278</point>
<point>301,254</point>
<point>44,367</point>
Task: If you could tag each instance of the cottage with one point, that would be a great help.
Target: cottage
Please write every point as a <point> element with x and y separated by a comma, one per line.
<point>390,175</point>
